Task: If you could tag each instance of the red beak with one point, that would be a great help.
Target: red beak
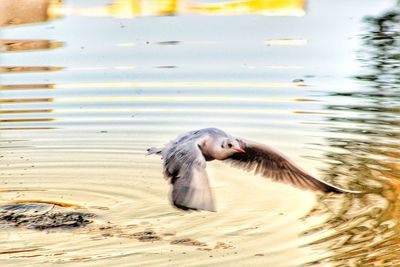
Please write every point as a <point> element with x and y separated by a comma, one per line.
<point>240,150</point>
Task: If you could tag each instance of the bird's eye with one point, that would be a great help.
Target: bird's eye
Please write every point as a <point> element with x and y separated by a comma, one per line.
<point>229,145</point>
<point>222,146</point>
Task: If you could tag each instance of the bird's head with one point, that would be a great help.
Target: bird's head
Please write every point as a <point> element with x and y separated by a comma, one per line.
<point>221,147</point>
<point>231,146</point>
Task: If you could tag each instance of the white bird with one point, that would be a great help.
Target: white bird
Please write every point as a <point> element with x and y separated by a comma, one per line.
<point>185,166</point>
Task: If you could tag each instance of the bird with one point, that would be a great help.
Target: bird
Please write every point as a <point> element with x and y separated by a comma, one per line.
<point>185,158</point>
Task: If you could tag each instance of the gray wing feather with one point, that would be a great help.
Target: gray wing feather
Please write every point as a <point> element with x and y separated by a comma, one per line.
<point>184,165</point>
<point>270,163</point>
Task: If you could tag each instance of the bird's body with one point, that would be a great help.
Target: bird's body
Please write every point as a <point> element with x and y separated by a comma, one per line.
<point>185,162</point>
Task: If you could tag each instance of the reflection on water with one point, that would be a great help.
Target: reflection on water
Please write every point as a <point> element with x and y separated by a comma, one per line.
<point>135,8</point>
<point>22,12</point>
<point>25,11</point>
<point>285,42</point>
<point>28,69</point>
<point>25,86</point>
<point>280,7</point>
<point>26,45</point>
<point>365,228</point>
<point>75,123</point>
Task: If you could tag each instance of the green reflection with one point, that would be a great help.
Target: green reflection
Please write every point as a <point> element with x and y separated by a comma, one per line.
<point>364,230</point>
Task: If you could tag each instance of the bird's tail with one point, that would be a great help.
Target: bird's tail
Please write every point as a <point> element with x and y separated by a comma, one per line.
<point>154,150</point>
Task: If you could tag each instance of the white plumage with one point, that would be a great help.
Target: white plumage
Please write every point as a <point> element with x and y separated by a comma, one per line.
<point>185,166</point>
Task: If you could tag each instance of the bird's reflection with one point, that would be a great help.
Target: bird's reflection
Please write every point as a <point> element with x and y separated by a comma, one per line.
<point>364,229</point>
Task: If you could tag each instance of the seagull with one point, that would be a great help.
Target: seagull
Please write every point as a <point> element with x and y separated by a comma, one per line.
<point>185,158</point>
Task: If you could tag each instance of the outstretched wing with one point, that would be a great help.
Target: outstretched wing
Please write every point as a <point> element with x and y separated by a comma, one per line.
<point>184,165</point>
<point>270,163</point>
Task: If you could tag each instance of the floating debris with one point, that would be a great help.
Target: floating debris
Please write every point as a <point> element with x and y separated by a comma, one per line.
<point>147,236</point>
<point>188,242</point>
<point>42,216</point>
<point>222,245</point>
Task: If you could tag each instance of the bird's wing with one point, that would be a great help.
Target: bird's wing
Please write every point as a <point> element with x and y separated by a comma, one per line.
<point>185,165</point>
<point>270,163</point>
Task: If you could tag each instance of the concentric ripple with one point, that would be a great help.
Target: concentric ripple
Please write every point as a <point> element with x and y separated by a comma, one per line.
<point>79,108</point>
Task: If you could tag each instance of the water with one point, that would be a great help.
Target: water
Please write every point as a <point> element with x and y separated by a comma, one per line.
<point>77,117</point>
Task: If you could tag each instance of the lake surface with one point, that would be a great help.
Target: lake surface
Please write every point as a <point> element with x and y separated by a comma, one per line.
<point>83,97</point>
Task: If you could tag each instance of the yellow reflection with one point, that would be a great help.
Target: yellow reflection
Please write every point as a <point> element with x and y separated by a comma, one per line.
<point>13,12</point>
<point>26,86</point>
<point>13,69</point>
<point>57,203</point>
<point>26,120</point>
<point>121,9</point>
<point>16,111</point>
<point>24,45</point>
<point>136,8</point>
<point>26,100</point>
<point>270,7</point>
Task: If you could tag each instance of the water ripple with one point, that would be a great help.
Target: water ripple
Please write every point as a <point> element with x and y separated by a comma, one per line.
<point>75,123</point>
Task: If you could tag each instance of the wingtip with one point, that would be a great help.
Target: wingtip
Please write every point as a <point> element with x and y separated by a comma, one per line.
<point>334,189</point>
<point>355,192</point>
<point>188,209</point>
<point>183,208</point>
